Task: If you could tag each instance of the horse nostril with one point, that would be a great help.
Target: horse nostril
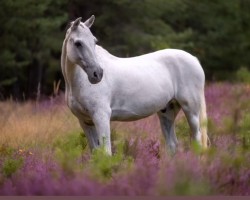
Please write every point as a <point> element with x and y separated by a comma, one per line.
<point>95,75</point>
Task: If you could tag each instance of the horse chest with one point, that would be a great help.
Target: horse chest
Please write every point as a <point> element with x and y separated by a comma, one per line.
<point>78,109</point>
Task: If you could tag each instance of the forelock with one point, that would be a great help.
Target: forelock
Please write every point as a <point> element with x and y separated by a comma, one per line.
<point>70,24</point>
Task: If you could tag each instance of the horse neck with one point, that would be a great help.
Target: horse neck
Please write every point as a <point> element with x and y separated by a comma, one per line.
<point>104,56</point>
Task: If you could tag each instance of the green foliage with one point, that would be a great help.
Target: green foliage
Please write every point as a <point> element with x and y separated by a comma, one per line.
<point>104,166</point>
<point>244,131</point>
<point>237,125</point>
<point>183,132</point>
<point>236,162</point>
<point>69,149</point>
<point>196,147</point>
<point>243,75</point>
<point>11,165</point>
<point>5,150</point>
<point>190,187</point>
<point>130,150</point>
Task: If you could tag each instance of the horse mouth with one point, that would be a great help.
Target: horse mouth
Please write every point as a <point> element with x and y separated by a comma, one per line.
<point>94,80</point>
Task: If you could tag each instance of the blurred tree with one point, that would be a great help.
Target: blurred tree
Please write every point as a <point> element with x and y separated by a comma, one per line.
<point>31,35</point>
<point>220,32</point>
<point>30,42</point>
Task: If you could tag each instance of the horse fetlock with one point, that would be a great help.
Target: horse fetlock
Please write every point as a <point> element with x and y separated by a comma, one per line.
<point>197,137</point>
<point>104,142</point>
<point>171,148</point>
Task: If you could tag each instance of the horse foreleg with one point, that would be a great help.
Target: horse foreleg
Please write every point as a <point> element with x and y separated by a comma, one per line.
<point>167,117</point>
<point>91,134</point>
<point>102,125</point>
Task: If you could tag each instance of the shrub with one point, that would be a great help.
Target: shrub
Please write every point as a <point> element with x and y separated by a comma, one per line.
<point>243,75</point>
<point>11,165</point>
<point>104,166</point>
<point>69,149</point>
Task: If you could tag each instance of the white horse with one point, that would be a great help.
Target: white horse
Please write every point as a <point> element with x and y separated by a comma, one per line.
<point>101,87</point>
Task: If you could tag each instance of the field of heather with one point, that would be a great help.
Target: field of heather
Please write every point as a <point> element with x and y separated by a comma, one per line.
<point>43,151</point>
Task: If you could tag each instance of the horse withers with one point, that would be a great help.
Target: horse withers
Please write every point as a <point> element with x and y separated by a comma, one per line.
<point>101,87</point>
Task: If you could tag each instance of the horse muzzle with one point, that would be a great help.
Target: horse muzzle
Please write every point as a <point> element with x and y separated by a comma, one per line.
<point>96,76</point>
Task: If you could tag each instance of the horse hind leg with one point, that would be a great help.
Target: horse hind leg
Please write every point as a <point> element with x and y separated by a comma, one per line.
<point>191,110</point>
<point>167,117</point>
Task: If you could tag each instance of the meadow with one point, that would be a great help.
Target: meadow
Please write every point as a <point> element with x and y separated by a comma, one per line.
<point>43,151</point>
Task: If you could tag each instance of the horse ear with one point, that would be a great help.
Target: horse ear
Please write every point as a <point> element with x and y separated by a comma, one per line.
<point>89,22</point>
<point>76,23</point>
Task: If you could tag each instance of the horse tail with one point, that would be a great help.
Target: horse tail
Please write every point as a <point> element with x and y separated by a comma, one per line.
<point>203,123</point>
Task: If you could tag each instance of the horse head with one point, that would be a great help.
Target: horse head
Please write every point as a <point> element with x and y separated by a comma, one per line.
<point>81,45</point>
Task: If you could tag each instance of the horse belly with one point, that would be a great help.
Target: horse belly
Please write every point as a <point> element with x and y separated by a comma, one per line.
<point>127,115</point>
<point>137,108</point>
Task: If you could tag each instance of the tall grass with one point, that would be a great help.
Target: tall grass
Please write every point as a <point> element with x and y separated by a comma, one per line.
<point>31,124</point>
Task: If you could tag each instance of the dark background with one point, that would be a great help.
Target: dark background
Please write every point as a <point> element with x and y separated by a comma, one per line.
<point>32,32</point>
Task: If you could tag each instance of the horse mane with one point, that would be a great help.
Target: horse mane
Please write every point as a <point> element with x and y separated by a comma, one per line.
<point>63,60</point>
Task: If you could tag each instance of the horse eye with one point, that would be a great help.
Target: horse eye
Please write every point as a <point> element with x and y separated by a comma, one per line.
<point>78,44</point>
